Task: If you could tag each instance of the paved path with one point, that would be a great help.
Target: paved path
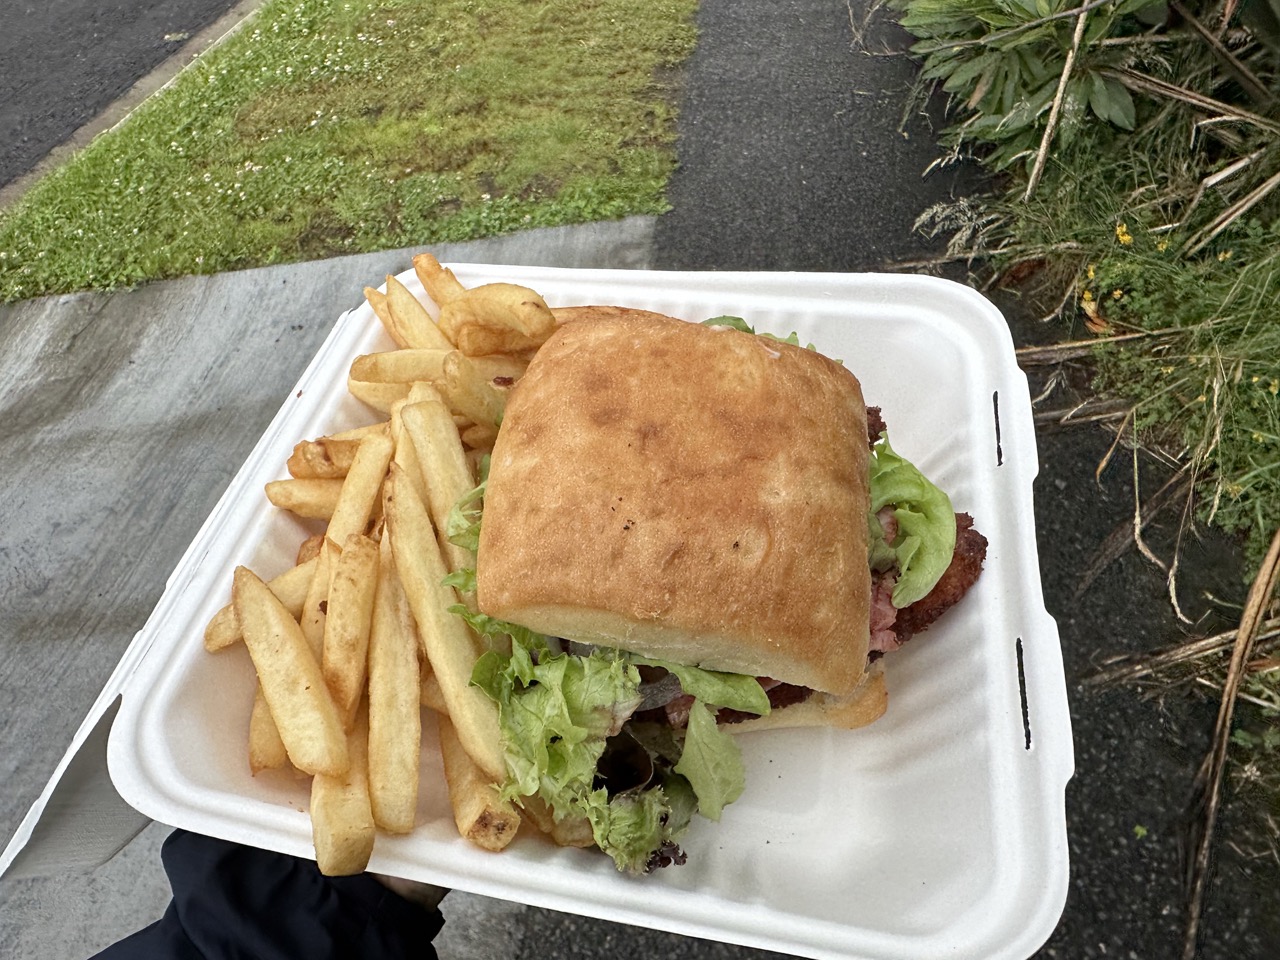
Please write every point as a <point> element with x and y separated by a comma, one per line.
<point>123,416</point>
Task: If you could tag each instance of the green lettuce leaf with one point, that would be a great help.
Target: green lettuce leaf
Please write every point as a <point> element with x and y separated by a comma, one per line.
<point>630,826</point>
<point>711,762</point>
<point>463,524</point>
<point>733,690</point>
<point>462,527</point>
<point>926,537</point>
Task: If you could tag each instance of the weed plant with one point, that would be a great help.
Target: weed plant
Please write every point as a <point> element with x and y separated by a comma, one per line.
<point>1155,208</point>
<point>342,126</point>
<point>1136,147</point>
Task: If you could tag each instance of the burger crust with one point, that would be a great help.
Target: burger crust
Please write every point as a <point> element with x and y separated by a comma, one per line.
<point>687,493</point>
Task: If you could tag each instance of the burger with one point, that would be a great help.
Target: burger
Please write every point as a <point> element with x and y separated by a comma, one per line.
<point>686,532</point>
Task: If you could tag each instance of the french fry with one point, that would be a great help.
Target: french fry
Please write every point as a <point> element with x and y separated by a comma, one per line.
<point>450,646</point>
<point>514,307</point>
<point>290,589</point>
<point>379,396</point>
<point>500,367</point>
<point>429,694</point>
<point>266,749</point>
<point>404,456</point>
<point>476,338</point>
<point>412,319</point>
<point>347,619</point>
<point>311,619</point>
<point>326,458</point>
<point>439,282</point>
<point>570,832</point>
<point>470,393</point>
<point>395,718</point>
<point>497,318</point>
<point>422,390</point>
<point>309,549</point>
<point>342,825</point>
<point>481,815</point>
<point>354,508</point>
<point>442,464</point>
<point>480,436</point>
<point>312,499</point>
<point>292,683</point>
<point>359,433</point>
<point>399,366</point>
<point>382,310</point>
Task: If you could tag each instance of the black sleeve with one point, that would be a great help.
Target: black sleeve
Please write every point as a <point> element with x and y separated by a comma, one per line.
<point>232,902</point>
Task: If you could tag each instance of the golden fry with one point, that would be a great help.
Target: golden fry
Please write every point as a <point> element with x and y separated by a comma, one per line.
<point>481,815</point>
<point>395,718</point>
<point>290,589</point>
<point>347,619</point>
<point>354,508</point>
<point>439,282</point>
<point>412,319</point>
<point>382,310</point>
<point>469,393</point>
<point>309,549</point>
<point>311,499</point>
<point>342,825</point>
<point>359,433</point>
<point>379,396</point>
<point>571,832</point>
<point>311,619</point>
<point>443,469</point>
<point>325,459</point>
<point>480,437</point>
<point>266,749</point>
<point>291,680</point>
<point>399,366</point>
<point>499,368</point>
<point>429,694</point>
<point>450,646</point>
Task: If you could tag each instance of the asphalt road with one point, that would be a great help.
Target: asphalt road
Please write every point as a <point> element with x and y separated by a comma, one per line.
<point>62,62</point>
<point>791,159</point>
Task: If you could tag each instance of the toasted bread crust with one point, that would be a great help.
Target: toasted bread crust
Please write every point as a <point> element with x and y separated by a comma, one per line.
<point>685,492</point>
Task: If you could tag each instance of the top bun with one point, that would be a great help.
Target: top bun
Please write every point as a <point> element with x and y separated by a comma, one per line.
<point>688,493</point>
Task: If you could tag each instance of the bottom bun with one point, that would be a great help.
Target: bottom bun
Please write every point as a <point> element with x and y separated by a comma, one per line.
<point>865,705</point>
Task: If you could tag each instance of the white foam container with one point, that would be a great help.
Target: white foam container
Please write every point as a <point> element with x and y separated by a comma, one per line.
<point>939,831</point>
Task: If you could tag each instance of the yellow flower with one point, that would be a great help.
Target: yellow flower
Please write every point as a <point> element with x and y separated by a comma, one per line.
<point>1275,387</point>
<point>1162,246</point>
<point>1201,399</point>
<point>1123,235</point>
<point>1087,296</point>
<point>1117,294</point>
<point>1224,255</point>
<point>1090,274</point>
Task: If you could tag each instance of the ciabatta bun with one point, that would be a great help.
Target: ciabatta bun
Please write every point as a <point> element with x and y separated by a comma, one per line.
<point>685,492</point>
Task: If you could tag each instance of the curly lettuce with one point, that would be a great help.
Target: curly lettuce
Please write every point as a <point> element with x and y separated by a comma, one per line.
<point>557,712</point>
<point>926,538</point>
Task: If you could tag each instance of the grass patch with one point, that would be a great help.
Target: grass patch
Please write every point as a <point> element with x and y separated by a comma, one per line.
<point>342,126</point>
